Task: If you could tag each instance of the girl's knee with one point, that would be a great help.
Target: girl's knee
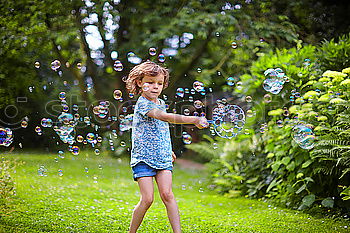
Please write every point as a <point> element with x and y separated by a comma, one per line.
<point>147,201</point>
<point>167,196</point>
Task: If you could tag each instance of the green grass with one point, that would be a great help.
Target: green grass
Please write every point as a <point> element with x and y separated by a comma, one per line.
<point>102,199</point>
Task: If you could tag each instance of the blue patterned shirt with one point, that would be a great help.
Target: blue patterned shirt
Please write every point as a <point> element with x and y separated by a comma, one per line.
<point>151,141</point>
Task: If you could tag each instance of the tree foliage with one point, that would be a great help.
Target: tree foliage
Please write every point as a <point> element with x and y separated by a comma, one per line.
<point>193,35</point>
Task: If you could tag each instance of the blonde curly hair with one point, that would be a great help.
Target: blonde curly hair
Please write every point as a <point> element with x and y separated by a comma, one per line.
<point>147,68</point>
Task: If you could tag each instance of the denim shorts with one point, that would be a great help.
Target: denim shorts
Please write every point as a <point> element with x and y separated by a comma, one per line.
<point>142,169</point>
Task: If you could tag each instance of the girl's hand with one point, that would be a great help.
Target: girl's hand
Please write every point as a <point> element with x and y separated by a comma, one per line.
<point>173,155</point>
<point>202,123</point>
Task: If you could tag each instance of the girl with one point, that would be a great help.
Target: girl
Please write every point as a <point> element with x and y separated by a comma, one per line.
<point>151,154</point>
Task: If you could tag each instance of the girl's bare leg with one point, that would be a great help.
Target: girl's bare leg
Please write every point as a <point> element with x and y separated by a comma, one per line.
<point>164,182</point>
<point>146,190</point>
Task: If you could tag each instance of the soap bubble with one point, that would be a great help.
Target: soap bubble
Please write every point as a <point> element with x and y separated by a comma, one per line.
<point>75,108</point>
<point>80,138</point>
<point>187,112</point>
<point>198,104</point>
<point>263,128</point>
<point>239,85</point>
<point>267,98</point>
<point>96,110</point>
<point>304,136</point>
<point>24,124</point>
<point>79,65</point>
<point>279,123</point>
<point>62,95</point>
<point>91,138</point>
<point>306,62</point>
<point>180,92</point>
<point>248,99</point>
<point>55,65</point>
<point>60,172</point>
<point>38,130</point>
<point>117,94</point>
<point>291,98</point>
<point>186,138</point>
<point>61,154</point>
<point>274,80</point>
<point>75,150</point>
<point>65,107</point>
<point>97,151</point>
<point>230,81</point>
<point>228,120</point>
<point>198,86</point>
<point>234,45</point>
<point>42,171</point>
<point>118,66</point>
<point>37,64</point>
<point>46,122</point>
<point>161,57</point>
<point>238,6</point>
<point>6,136</point>
<point>250,113</point>
<point>152,51</point>
<point>114,55</point>
<point>87,120</point>
<point>132,58</point>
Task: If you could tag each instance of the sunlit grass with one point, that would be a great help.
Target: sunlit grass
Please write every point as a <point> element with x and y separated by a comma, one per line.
<point>97,194</point>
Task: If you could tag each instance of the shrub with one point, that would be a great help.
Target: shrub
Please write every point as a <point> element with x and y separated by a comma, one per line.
<point>270,163</point>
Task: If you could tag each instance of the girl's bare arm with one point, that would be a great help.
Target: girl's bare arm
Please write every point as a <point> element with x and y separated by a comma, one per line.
<point>200,122</point>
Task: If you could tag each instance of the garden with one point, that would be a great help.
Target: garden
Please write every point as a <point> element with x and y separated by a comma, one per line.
<point>271,77</point>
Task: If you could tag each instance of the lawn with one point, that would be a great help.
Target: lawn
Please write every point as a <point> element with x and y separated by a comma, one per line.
<point>97,194</point>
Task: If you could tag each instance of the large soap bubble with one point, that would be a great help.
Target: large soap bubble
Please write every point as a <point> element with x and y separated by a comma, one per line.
<point>65,127</point>
<point>275,78</point>
<point>228,120</point>
<point>304,136</point>
<point>6,137</point>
